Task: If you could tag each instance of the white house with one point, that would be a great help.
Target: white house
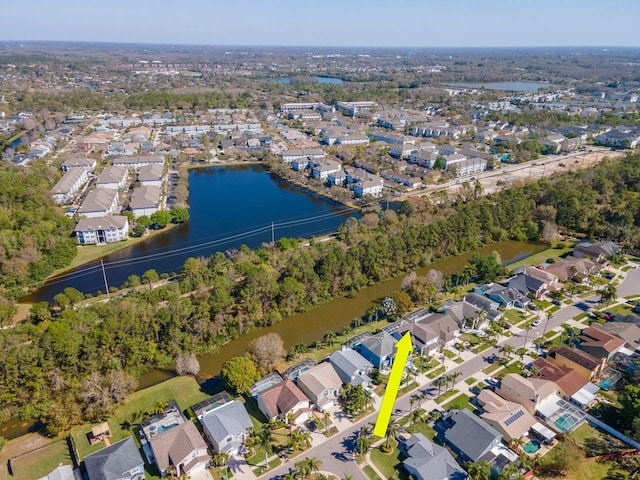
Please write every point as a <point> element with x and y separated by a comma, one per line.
<point>99,203</point>
<point>98,230</point>
<point>137,161</point>
<point>371,185</point>
<point>324,168</point>
<point>68,185</point>
<point>151,175</point>
<point>79,162</point>
<point>112,178</point>
<point>145,200</point>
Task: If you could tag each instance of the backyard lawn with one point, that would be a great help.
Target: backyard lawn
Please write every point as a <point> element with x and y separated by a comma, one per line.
<point>389,465</point>
<point>458,403</point>
<point>184,390</point>
<point>41,462</point>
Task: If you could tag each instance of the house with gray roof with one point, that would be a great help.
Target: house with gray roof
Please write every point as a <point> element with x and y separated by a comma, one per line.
<point>62,472</point>
<point>428,461</point>
<point>112,177</point>
<point>151,175</point>
<point>351,367</point>
<point>99,203</point>
<point>79,162</point>
<point>69,185</point>
<point>119,461</point>
<point>99,230</point>
<point>226,427</point>
<point>468,436</point>
<point>379,349</point>
<point>145,200</point>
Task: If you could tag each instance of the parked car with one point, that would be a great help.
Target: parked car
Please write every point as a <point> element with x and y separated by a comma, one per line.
<point>492,358</point>
<point>556,302</point>
<point>475,390</point>
<point>537,323</point>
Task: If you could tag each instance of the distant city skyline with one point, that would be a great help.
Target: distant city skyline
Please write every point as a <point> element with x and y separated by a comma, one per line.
<point>330,23</point>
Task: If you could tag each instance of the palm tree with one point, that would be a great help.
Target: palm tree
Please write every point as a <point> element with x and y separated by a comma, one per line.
<point>521,352</point>
<point>158,407</point>
<point>415,417</point>
<point>330,337</point>
<point>608,293</point>
<point>299,440</point>
<point>393,429</point>
<point>440,382</point>
<point>301,468</point>
<point>363,443</point>
<point>326,417</point>
<point>264,439</point>
<point>314,464</point>
<point>291,420</point>
<point>479,470</point>
<point>452,377</point>
<point>413,399</point>
<point>506,350</point>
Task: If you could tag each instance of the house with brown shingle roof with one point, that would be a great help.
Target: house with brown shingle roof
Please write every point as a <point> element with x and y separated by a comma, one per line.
<point>588,366</point>
<point>627,331</point>
<point>182,448</point>
<point>283,399</point>
<point>568,380</point>
<point>599,343</point>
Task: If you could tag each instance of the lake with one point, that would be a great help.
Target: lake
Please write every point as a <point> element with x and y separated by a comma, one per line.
<point>312,79</point>
<point>508,86</point>
<point>229,206</point>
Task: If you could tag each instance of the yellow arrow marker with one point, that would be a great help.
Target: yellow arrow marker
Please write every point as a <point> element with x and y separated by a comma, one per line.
<point>403,347</point>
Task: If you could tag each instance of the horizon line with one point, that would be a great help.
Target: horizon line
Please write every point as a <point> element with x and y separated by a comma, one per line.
<point>377,47</point>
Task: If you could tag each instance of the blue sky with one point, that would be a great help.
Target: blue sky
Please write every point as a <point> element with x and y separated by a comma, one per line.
<point>414,23</point>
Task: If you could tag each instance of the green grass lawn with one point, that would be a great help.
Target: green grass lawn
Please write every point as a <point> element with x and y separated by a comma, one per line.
<point>449,354</point>
<point>276,462</point>
<point>280,438</point>
<point>542,304</point>
<point>389,465</point>
<point>445,395</point>
<point>537,258</point>
<point>491,368</point>
<point>514,316</point>
<point>437,372</point>
<point>620,309</point>
<point>470,381</point>
<point>511,368</point>
<point>371,473</point>
<point>41,462</point>
<point>458,403</point>
<point>554,309</point>
<point>184,390</point>
<point>257,417</point>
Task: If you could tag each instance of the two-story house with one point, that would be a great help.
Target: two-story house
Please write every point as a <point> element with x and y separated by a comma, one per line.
<point>226,426</point>
<point>351,367</point>
<point>283,399</point>
<point>119,461</point>
<point>321,384</point>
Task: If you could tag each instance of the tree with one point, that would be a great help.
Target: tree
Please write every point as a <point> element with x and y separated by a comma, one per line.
<point>265,440</point>
<point>507,350</point>
<point>479,470</point>
<point>326,419</point>
<point>62,300</point>
<point>329,337</point>
<point>440,382</point>
<point>160,219</point>
<point>150,276</point>
<point>403,302</point>
<point>179,215</point>
<point>416,417</point>
<point>238,374</point>
<point>608,293</point>
<point>187,364</point>
<point>267,351</point>
<point>299,440</point>
<point>220,459</point>
<point>73,295</point>
<point>440,163</point>
<point>521,352</point>
<point>393,429</point>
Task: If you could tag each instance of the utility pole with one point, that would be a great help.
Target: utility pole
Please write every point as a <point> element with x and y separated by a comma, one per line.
<point>273,236</point>
<point>104,275</point>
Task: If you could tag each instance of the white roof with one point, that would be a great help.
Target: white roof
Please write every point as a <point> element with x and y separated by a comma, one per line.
<point>586,394</point>
<point>543,431</point>
<point>549,406</point>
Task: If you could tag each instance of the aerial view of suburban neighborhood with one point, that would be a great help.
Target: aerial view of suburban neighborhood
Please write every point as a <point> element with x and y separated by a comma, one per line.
<point>216,249</point>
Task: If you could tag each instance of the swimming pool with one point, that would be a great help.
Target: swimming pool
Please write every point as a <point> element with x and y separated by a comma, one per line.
<point>532,446</point>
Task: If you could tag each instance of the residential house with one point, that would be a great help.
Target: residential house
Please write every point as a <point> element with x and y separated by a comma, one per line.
<point>627,331</point>
<point>378,349</point>
<point>151,175</point>
<point>510,419</point>
<point>573,268</point>
<point>424,338</point>
<point>134,163</point>
<point>570,383</point>
<point>620,137</point>
<point>66,188</point>
<point>484,304</point>
<point>599,343</point>
<point>429,461</point>
<point>598,252</point>
<point>322,169</point>
<point>283,399</point>
<point>506,296</point>
<point>403,150</point>
<point>79,162</point>
<point>119,461</point>
<point>371,185</point>
<point>99,203</point>
<point>468,315</point>
<point>112,177</point>
<point>588,366</point>
<point>181,448</point>
<point>226,426</point>
<point>406,180</point>
<point>528,392</point>
<point>468,436</point>
<point>351,367</point>
<point>445,326</point>
<point>309,153</point>
<point>531,280</point>
<point>145,200</point>
<point>99,230</point>
<point>321,384</point>
<point>62,472</point>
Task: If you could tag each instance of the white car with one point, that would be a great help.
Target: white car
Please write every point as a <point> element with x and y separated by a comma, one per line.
<point>537,323</point>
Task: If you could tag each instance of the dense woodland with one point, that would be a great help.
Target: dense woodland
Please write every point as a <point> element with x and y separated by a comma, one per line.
<point>67,366</point>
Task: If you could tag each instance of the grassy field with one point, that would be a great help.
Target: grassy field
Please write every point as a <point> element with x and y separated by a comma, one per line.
<point>541,257</point>
<point>184,390</point>
<point>390,465</point>
<point>458,403</point>
<point>41,462</point>
<point>445,395</point>
<point>436,372</point>
<point>512,368</point>
<point>371,473</point>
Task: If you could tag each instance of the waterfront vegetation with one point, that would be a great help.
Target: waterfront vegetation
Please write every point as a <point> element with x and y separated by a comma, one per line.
<point>52,364</point>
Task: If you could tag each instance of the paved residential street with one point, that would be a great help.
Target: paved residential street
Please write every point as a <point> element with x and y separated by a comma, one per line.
<point>336,452</point>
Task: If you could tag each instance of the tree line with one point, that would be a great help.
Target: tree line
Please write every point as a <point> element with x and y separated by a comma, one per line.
<point>50,365</point>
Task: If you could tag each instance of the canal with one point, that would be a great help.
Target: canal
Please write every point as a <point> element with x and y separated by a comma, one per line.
<point>229,206</point>
<point>311,325</point>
